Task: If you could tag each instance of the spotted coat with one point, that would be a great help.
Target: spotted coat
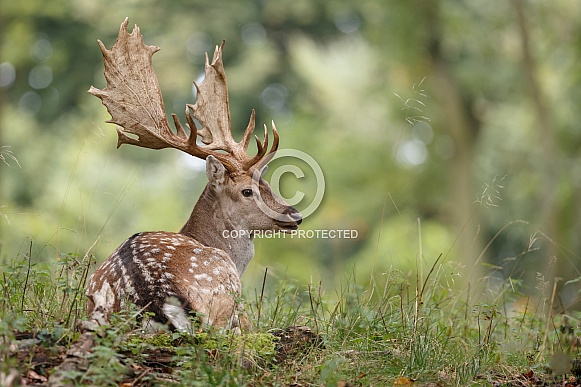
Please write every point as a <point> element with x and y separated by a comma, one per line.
<point>172,276</point>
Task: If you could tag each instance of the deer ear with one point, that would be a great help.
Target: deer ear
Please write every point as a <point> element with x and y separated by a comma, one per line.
<point>216,173</point>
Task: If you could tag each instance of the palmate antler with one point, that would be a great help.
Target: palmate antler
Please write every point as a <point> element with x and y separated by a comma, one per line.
<point>134,101</point>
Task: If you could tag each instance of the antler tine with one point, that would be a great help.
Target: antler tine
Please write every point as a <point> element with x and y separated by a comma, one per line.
<point>275,141</point>
<point>181,133</point>
<point>262,151</point>
<point>217,53</point>
<point>192,126</point>
<point>248,132</point>
<point>262,147</point>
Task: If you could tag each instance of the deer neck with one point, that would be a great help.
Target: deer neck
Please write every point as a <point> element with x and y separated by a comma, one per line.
<point>214,226</point>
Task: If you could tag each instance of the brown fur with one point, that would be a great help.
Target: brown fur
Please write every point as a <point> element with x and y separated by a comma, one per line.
<point>196,270</point>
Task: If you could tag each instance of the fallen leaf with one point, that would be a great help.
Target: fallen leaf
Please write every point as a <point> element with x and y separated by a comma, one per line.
<point>403,381</point>
<point>529,374</point>
<point>32,375</point>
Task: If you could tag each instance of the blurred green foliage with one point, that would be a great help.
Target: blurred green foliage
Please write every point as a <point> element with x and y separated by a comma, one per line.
<point>438,125</point>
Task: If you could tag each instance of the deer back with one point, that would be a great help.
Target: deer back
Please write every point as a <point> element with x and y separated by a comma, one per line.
<point>173,276</point>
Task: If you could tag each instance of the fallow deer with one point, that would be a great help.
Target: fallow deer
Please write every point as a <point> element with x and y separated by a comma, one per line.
<point>196,270</point>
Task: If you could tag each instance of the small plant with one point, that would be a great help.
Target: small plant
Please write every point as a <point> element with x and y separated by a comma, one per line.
<point>490,195</point>
<point>6,155</point>
<point>413,106</point>
<point>31,288</point>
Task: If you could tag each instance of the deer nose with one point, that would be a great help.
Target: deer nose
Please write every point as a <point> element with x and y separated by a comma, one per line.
<point>296,216</point>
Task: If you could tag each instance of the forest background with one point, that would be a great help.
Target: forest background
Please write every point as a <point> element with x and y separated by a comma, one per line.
<point>445,130</point>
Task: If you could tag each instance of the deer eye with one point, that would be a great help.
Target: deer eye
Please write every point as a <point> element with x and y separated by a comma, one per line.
<point>247,192</point>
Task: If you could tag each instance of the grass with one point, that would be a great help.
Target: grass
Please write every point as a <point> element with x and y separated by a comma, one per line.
<point>390,331</point>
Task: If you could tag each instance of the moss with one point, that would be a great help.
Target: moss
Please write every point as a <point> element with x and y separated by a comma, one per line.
<point>258,344</point>
<point>261,344</point>
<point>163,340</point>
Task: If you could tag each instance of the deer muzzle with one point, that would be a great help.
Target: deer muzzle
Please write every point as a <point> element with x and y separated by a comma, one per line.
<point>294,219</point>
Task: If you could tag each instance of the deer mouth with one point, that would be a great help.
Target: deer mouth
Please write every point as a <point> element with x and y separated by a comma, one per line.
<point>287,226</point>
<point>292,221</point>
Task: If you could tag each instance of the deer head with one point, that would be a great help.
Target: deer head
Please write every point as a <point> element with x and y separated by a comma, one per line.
<point>235,187</point>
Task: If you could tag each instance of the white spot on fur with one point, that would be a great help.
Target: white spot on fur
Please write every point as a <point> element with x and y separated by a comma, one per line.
<point>124,274</point>
<point>203,276</point>
<point>130,290</point>
<point>146,275</point>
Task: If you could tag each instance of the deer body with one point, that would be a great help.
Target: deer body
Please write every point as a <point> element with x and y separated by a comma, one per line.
<point>198,269</point>
<point>171,275</point>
